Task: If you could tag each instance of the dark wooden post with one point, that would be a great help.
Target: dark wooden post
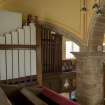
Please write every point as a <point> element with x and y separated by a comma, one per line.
<point>38,52</point>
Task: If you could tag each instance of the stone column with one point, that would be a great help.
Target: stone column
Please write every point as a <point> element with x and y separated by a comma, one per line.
<point>90,78</point>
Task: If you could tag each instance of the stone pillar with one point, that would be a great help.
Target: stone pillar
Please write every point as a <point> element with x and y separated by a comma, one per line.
<point>90,78</point>
<point>95,40</point>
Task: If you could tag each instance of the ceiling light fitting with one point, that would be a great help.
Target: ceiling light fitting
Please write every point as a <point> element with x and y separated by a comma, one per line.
<point>97,8</point>
<point>84,9</point>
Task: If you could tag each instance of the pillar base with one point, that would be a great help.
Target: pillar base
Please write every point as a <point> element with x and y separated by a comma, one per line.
<point>90,78</point>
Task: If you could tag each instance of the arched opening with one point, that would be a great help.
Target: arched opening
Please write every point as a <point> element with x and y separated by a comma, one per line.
<point>69,46</point>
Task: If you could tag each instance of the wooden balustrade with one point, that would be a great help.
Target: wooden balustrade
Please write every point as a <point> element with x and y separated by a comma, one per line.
<point>68,65</point>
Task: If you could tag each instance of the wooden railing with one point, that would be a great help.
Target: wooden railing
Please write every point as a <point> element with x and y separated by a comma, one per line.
<point>68,65</point>
<point>24,81</point>
<point>17,47</point>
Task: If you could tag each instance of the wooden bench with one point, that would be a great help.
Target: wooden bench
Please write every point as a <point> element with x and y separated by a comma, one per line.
<point>55,97</point>
<point>32,97</point>
<point>3,98</point>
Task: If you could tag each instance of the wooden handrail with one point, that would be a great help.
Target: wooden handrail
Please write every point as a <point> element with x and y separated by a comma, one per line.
<point>15,46</point>
<point>21,80</point>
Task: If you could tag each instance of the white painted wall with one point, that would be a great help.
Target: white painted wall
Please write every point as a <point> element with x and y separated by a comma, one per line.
<point>9,21</point>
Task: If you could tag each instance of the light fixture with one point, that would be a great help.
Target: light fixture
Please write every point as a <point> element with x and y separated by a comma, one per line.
<point>66,84</point>
<point>95,6</point>
<point>84,9</point>
<point>99,12</point>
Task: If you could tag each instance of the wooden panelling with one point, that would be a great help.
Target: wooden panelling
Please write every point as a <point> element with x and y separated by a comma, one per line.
<point>56,81</point>
<point>68,65</point>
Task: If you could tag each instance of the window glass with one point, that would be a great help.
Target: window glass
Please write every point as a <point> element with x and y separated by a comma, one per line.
<point>71,47</point>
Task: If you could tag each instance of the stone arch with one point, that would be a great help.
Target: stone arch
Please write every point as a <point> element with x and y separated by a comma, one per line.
<point>97,30</point>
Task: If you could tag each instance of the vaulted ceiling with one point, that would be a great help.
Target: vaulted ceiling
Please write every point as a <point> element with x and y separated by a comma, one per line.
<point>63,13</point>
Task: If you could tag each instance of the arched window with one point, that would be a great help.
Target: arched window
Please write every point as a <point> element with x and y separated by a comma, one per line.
<point>71,47</point>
